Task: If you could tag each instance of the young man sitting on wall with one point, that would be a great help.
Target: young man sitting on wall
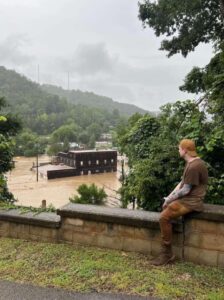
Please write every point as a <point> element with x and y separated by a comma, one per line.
<point>186,197</point>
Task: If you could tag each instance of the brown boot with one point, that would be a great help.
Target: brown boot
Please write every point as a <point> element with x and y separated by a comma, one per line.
<point>165,257</point>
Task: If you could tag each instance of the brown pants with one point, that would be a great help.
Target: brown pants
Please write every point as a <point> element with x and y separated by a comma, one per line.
<point>174,210</point>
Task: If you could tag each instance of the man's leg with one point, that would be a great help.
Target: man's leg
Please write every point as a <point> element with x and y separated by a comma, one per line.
<point>172,211</point>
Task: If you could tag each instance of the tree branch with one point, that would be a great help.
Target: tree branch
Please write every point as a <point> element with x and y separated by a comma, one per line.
<point>222,8</point>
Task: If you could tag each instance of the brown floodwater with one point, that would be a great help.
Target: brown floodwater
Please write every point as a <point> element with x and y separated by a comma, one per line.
<point>22,182</point>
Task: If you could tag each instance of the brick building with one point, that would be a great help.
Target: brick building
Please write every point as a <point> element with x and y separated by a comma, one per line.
<point>90,161</point>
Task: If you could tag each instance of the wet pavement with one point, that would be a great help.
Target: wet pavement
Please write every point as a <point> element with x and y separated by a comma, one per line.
<point>17,291</point>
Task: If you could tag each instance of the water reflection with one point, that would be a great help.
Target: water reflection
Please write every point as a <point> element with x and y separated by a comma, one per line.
<point>23,184</point>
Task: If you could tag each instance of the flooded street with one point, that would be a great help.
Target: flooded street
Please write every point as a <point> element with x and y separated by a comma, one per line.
<point>22,182</point>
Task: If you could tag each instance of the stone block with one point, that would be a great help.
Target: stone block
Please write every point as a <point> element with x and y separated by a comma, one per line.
<point>94,227</point>
<point>142,246</point>
<point>178,251</point>
<point>84,239</point>
<point>205,241</point>
<point>193,239</point>
<point>178,239</point>
<point>109,242</point>
<point>155,247</point>
<point>15,227</point>
<point>146,233</point>
<point>125,231</point>
<point>220,228</point>
<point>43,232</point>
<point>203,226</point>
<point>4,228</point>
<point>201,256</point>
<point>23,235</point>
<point>213,241</point>
<point>18,230</point>
<point>189,226</point>
<point>22,230</point>
<point>221,259</point>
<point>37,238</point>
<point>74,222</point>
<point>66,235</point>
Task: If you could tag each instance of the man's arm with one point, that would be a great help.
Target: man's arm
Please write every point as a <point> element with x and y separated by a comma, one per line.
<point>178,193</point>
<point>176,189</point>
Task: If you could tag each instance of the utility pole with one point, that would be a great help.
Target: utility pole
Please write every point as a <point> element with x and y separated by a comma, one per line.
<point>68,81</point>
<point>38,74</point>
<point>37,164</point>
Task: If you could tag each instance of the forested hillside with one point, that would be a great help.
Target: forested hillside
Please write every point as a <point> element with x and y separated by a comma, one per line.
<point>43,112</point>
<point>59,120</point>
<point>92,100</point>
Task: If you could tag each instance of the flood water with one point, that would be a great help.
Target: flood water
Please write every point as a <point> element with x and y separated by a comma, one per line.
<point>22,182</point>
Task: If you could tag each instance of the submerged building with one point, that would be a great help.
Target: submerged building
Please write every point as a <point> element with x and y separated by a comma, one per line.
<point>84,162</point>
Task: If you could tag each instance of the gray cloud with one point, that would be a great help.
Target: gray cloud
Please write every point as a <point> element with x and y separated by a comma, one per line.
<point>11,52</point>
<point>89,60</point>
<point>93,67</point>
<point>100,43</point>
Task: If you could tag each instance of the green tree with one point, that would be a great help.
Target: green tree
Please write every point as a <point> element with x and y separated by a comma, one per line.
<point>151,146</point>
<point>186,24</point>
<point>210,82</point>
<point>9,126</point>
<point>64,133</point>
<point>89,195</point>
<point>26,143</point>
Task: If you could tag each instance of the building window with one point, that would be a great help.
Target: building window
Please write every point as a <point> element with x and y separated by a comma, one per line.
<point>112,161</point>
<point>89,162</point>
<point>105,161</point>
<point>97,162</point>
<point>81,163</point>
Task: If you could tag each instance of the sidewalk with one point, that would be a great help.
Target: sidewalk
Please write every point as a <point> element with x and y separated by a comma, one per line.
<point>16,291</point>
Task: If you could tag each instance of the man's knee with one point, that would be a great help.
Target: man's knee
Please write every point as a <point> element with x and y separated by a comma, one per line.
<point>164,216</point>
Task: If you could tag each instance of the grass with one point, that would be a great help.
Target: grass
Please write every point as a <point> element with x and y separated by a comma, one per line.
<point>25,209</point>
<point>88,269</point>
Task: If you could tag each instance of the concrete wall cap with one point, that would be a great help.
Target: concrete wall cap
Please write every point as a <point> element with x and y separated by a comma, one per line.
<point>43,219</point>
<point>210,213</point>
<point>110,215</point>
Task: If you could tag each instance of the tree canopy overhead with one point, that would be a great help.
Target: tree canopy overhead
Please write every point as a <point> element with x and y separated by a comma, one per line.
<point>185,23</point>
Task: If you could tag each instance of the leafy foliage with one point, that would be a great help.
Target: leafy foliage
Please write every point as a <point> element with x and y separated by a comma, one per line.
<point>155,167</point>
<point>90,195</point>
<point>30,144</point>
<point>9,126</point>
<point>185,23</point>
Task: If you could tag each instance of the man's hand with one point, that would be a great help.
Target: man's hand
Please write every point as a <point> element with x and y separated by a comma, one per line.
<point>165,204</point>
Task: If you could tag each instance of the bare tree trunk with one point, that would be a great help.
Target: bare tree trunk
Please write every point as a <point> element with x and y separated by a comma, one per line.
<point>222,8</point>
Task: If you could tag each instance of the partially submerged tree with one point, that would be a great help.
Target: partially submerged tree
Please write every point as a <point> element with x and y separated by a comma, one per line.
<point>89,195</point>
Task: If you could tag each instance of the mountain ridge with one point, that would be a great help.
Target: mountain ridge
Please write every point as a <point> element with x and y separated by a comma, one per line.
<point>86,98</point>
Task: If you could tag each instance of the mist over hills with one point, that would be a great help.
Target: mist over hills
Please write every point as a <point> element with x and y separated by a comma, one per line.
<point>92,100</point>
<point>20,92</point>
<point>43,109</point>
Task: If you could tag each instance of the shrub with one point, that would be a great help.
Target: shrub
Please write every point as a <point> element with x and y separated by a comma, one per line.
<point>89,195</point>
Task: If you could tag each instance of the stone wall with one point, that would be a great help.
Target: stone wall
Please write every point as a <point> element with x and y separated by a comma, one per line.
<point>198,238</point>
<point>42,227</point>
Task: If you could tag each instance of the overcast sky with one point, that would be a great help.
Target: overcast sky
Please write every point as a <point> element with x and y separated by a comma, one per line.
<point>100,43</point>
